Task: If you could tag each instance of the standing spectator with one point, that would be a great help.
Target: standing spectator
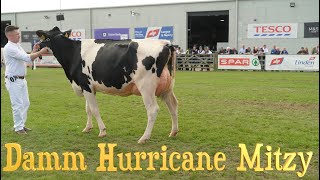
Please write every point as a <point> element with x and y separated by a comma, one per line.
<point>221,51</point>
<point>261,51</point>
<point>278,51</point>
<point>248,51</point>
<point>234,51</point>
<point>274,50</point>
<point>194,50</point>
<point>265,49</point>
<point>315,50</point>
<point>200,51</point>
<point>228,50</point>
<point>301,51</point>
<point>207,50</point>
<point>284,51</point>
<point>242,50</point>
<point>255,51</point>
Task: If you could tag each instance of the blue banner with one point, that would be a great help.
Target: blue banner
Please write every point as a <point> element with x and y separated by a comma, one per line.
<point>164,32</point>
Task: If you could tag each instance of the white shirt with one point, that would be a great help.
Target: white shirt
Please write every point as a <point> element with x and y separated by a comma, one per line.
<point>265,50</point>
<point>15,59</point>
<point>242,51</point>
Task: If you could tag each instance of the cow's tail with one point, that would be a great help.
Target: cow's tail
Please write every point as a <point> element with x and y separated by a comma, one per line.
<point>172,61</point>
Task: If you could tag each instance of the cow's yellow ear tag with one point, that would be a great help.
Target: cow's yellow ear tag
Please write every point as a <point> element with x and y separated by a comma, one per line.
<point>66,35</point>
<point>42,37</point>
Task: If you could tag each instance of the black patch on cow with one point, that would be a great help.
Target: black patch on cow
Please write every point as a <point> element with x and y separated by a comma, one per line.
<point>114,62</point>
<point>153,70</point>
<point>162,60</point>
<point>148,62</point>
<point>88,69</point>
<point>121,43</point>
<point>83,63</point>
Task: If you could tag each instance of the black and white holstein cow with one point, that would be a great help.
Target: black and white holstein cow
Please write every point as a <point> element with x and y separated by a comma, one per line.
<point>139,67</point>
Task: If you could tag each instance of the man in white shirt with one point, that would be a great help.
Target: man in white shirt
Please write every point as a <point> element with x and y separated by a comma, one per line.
<point>242,50</point>
<point>265,49</point>
<point>15,58</point>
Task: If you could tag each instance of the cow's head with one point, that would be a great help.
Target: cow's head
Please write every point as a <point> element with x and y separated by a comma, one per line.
<point>46,37</point>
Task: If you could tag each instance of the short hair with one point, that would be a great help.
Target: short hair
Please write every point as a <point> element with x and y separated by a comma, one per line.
<point>10,28</point>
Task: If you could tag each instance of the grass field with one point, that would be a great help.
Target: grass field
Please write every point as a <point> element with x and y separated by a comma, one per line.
<point>217,111</point>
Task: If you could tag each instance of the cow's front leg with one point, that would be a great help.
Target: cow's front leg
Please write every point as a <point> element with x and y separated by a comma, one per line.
<point>92,102</point>
<point>88,127</point>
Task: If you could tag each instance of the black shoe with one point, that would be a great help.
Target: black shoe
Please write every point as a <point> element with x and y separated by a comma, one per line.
<point>27,129</point>
<point>21,132</point>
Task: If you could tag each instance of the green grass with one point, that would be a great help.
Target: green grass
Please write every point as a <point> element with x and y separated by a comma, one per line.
<point>217,111</point>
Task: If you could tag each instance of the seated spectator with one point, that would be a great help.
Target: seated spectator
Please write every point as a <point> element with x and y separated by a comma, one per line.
<point>233,51</point>
<point>284,51</point>
<point>265,49</point>
<point>207,50</point>
<point>242,50</point>
<point>307,50</point>
<point>248,51</point>
<point>221,51</point>
<point>302,51</point>
<point>273,50</point>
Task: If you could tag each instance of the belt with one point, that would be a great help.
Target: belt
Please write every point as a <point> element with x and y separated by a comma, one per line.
<point>16,77</point>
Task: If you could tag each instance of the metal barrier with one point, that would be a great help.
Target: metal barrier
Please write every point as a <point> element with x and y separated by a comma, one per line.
<point>196,62</point>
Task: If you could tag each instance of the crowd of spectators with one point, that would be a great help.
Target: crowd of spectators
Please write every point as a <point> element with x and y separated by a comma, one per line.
<point>245,50</point>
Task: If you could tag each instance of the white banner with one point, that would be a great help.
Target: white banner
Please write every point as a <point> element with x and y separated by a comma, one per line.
<point>238,62</point>
<point>275,30</point>
<point>78,34</point>
<point>292,62</point>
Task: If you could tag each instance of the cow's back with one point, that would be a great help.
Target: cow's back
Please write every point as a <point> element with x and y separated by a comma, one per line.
<point>115,66</point>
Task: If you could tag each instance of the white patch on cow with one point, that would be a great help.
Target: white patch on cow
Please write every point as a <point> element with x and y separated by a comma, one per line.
<point>148,47</point>
<point>89,51</point>
<point>76,89</point>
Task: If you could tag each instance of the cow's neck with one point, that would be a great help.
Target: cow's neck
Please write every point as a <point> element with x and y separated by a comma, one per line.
<point>68,55</point>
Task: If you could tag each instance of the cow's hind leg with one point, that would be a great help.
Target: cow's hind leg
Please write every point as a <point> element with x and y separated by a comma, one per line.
<point>150,102</point>
<point>92,102</point>
<point>89,120</point>
<point>172,104</point>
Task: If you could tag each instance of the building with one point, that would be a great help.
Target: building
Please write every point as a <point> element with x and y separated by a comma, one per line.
<point>215,23</point>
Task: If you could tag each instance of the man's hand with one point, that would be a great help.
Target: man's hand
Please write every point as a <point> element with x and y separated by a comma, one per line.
<point>36,47</point>
<point>44,50</point>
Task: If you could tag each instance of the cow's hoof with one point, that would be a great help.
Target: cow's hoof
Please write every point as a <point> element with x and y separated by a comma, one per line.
<point>86,130</point>
<point>103,133</point>
<point>142,141</point>
<point>173,133</point>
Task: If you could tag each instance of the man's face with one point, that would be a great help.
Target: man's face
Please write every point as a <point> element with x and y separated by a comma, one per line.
<point>14,36</point>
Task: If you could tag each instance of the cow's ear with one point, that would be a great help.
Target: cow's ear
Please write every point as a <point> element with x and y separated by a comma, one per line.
<point>42,35</point>
<point>55,29</point>
<point>67,33</point>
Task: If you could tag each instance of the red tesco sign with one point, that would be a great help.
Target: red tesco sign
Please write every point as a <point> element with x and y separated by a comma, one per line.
<point>273,29</point>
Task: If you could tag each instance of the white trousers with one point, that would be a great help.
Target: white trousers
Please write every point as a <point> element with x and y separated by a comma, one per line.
<point>19,97</point>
